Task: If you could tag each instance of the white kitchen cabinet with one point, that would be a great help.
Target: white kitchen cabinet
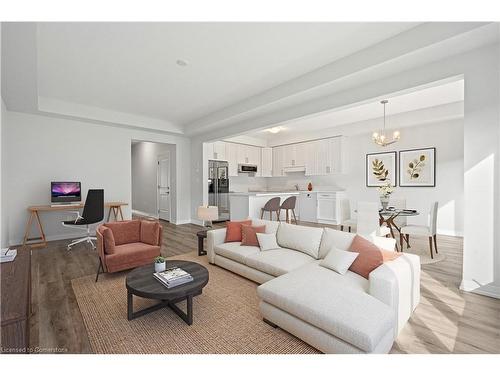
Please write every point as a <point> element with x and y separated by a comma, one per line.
<point>307,204</point>
<point>326,156</point>
<point>294,155</point>
<point>328,207</point>
<point>220,150</point>
<point>278,161</point>
<point>254,155</point>
<point>232,158</point>
<point>266,169</point>
<point>216,150</point>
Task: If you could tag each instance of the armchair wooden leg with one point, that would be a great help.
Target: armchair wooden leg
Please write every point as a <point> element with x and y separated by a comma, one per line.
<point>401,241</point>
<point>278,214</point>
<point>342,228</point>
<point>435,244</point>
<point>99,268</point>
<point>430,247</point>
<point>408,241</point>
<point>349,229</point>
<point>294,217</point>
<point>261,213</point>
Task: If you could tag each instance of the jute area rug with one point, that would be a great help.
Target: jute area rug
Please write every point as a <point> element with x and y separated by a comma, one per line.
<point>226,319</point>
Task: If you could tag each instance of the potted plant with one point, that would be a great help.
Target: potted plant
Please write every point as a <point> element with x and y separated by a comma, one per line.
<point>385,191</point>
<point>160,264</point>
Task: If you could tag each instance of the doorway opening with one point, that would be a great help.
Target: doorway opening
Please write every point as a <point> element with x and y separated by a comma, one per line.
<point>153,180</point>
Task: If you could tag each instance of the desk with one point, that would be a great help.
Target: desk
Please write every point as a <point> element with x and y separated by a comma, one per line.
<point>115,207</point>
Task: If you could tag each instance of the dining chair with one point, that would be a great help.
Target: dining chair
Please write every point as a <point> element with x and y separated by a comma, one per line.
<point>368,220</point>
<point>272,205</point>
<point>423,230</point>
<point>289,205</point>
<point>346,219</point>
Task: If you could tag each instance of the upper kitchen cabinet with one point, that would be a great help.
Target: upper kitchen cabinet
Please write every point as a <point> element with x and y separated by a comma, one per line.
<point>278,162</point>
<point>326,156</point>
<point>216,150</point>
<point>232,158</point>
<point>248,154</point>
<point>294,155</point>
<point>266,169</point>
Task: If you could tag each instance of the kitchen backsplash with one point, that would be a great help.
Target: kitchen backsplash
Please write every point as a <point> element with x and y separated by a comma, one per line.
<point>247,183</point>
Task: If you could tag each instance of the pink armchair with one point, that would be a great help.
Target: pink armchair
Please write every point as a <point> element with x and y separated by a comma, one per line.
<point>127,244</point>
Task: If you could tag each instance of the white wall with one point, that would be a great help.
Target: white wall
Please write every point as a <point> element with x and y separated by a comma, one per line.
<point>480,68</point>
<point>447,137</point>
<point>4,233</point>
<point>145,177</point>
<point>40,149</point>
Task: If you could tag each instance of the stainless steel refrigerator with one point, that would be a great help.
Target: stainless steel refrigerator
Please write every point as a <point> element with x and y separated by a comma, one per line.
<point>218,187</point>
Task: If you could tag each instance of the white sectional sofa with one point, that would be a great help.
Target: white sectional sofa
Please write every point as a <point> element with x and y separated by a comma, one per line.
<point>334,313</point>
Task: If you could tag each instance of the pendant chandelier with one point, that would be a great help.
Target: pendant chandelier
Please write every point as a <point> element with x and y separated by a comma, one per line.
<point>380,137</point>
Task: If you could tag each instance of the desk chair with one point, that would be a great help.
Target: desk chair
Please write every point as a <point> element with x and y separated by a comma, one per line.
<point>93,213</point>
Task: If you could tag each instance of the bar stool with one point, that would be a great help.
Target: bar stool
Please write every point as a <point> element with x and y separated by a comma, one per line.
<point>272,205</point>
<point>289,204</point>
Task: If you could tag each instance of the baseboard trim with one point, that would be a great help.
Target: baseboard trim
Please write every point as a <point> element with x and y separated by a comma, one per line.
<point>489,290</point>
<point>54,237</point>
<point>146,214</point>
<point>181,222</point>
<point>452,233</point>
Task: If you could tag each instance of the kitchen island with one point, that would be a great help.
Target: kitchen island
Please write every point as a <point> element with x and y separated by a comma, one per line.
<point>244,205</point>
<point>318,206</point>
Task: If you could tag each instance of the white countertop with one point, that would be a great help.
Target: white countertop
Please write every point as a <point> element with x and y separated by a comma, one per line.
<point>265,193</point>
<point>285,192</point>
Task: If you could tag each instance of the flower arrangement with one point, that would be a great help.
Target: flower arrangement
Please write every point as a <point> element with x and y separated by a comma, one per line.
<point>386,189</point>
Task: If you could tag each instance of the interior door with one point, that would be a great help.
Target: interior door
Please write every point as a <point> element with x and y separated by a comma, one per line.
<point>164,187</point>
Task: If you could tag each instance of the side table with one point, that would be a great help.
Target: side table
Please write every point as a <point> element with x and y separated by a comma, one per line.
<point>202,234</point>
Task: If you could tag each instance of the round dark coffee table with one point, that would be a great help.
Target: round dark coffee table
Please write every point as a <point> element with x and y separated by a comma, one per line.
<point>142,283</point>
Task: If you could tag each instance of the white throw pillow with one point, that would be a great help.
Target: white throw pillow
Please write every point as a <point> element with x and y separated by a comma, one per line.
<point>339,260</point>
<point>267,241</point>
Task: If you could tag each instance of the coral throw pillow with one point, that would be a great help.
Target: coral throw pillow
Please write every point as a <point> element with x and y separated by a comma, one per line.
<point>150,232</point>
<point>233,230</point>
<point>370,256</point>
<point>109,240</point>
<point>249,234</point>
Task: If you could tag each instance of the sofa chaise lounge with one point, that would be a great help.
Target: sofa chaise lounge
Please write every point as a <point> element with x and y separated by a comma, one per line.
<point>332,312</point>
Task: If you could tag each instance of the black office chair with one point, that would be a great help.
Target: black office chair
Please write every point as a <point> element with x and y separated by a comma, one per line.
<point>93,213</point>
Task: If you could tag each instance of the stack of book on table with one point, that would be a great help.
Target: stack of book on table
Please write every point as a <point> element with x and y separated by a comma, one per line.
<point>172,277</point>
<point>8,255</point>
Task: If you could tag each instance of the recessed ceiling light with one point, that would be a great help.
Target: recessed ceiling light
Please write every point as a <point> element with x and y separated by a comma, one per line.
<point>182,63</point>
<point>275,130</point>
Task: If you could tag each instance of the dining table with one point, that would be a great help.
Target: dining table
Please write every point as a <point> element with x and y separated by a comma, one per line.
<point>390,214</point>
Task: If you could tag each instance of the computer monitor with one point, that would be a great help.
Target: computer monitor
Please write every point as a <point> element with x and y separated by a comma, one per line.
<point>65,192</point>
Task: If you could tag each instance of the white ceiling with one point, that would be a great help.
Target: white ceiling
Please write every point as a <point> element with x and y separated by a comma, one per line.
<point>439,95</point>
<point>131,67</point>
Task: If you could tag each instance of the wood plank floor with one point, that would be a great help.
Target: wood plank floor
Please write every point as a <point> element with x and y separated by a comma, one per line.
<point>446,321</point>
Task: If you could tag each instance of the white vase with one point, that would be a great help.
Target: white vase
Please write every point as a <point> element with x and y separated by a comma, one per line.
<point>160,267</point>
<point>385,202</point>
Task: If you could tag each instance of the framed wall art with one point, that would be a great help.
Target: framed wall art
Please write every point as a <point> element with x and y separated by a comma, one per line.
<point>381,169</point>
<point>417,167</point>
